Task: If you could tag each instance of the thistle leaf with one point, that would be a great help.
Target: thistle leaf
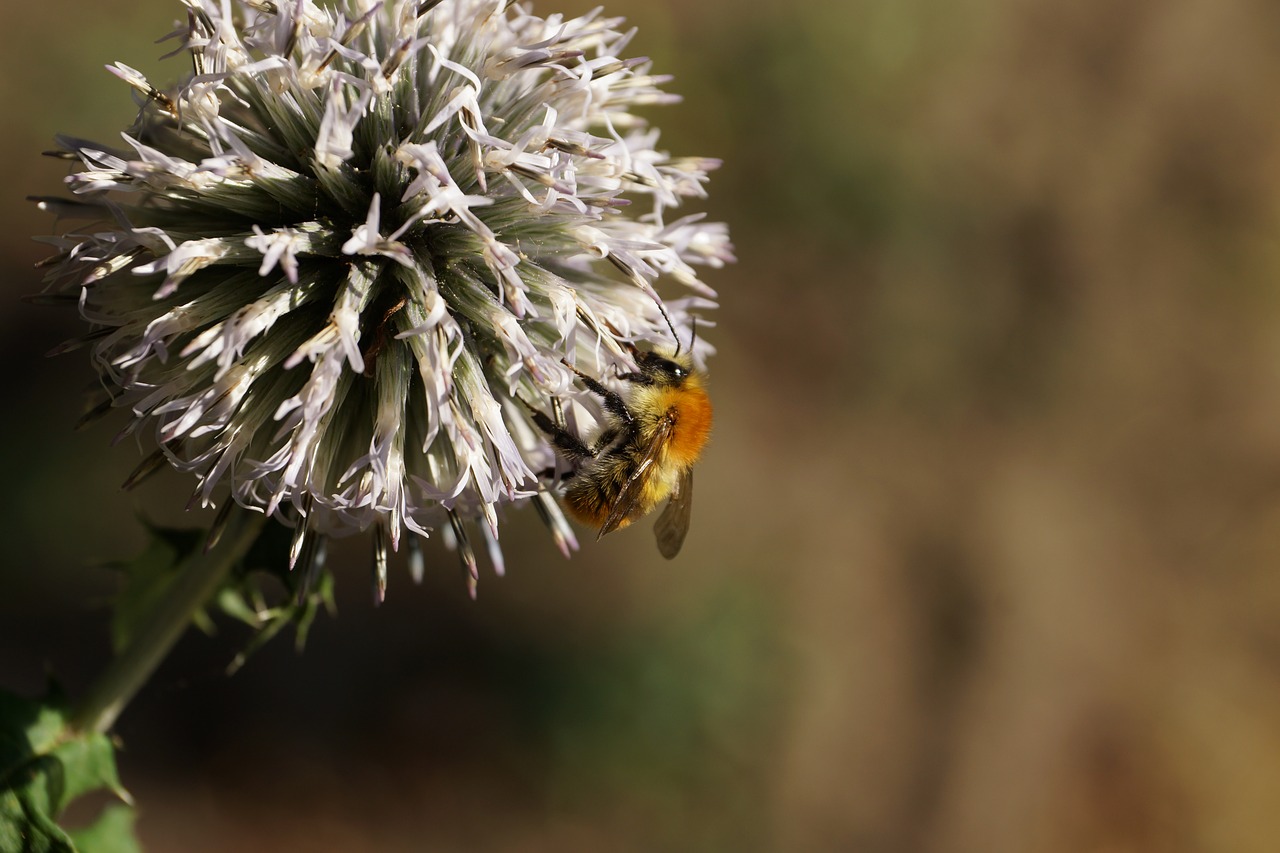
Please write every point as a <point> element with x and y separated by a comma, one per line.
<point>44,767</point>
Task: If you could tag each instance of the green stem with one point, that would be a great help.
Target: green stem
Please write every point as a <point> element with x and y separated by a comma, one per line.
<point>199,579</point>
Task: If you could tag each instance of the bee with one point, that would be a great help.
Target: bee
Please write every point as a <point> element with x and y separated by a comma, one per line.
<point>653,435</point>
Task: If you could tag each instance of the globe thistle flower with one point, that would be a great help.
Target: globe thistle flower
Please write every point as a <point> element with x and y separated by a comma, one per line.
<point>329,267</point>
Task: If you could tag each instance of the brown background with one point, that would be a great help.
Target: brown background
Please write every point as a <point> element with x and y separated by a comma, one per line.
<point>986,552</point>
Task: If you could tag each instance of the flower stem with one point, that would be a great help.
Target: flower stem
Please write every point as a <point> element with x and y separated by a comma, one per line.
<point>199,578</point>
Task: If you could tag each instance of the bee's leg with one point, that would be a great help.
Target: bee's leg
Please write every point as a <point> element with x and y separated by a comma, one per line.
<point>613,403</point>
<point>634,376</point>
<point>569,445</point>
<point>550,475</point>
<point>606,438</point>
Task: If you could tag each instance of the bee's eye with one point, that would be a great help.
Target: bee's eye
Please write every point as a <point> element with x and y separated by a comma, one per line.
<point>658,367</point>
<point>672,369</point>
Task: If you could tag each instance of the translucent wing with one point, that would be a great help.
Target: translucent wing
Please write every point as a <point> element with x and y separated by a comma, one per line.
<point>673,524</point>
<point>633,490</point>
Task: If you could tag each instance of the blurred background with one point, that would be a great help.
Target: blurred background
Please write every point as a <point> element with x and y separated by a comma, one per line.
<point>986,552</point>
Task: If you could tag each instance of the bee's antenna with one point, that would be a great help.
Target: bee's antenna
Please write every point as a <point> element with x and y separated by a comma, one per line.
<point>693,336</point>
<point>647,288</point>
<point>670,326</point>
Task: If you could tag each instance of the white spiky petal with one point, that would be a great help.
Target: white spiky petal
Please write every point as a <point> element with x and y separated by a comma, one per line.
<point>337,255</point>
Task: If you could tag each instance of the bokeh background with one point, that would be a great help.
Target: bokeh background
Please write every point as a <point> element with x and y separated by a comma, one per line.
<point>986,552</point>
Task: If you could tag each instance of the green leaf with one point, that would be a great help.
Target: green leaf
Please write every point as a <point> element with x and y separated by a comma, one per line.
<point>147,577</point>
<point>232,600</point>
<point>300,613</point>
<point>246,601</point>
<point>113,833</point>
<point>43,767</point>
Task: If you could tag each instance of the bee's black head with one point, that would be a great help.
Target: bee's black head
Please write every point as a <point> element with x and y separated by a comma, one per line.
<point>662,370</point>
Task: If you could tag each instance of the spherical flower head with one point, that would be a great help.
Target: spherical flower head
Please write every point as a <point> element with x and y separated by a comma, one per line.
<point>335,266</point>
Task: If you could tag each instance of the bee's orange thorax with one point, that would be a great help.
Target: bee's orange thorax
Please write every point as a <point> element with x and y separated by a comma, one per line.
<point>692,410</point>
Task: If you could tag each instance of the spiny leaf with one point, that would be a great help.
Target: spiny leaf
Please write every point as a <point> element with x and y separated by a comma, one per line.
<point>43,767</point>
<point>148,576</point>
<point>113,832</point>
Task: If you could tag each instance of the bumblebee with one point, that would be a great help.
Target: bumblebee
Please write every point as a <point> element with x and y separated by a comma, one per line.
<point>653,435</point>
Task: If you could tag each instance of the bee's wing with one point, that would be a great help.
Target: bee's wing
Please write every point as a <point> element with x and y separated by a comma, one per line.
<point>633,489</point>
<point>673,524</point>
